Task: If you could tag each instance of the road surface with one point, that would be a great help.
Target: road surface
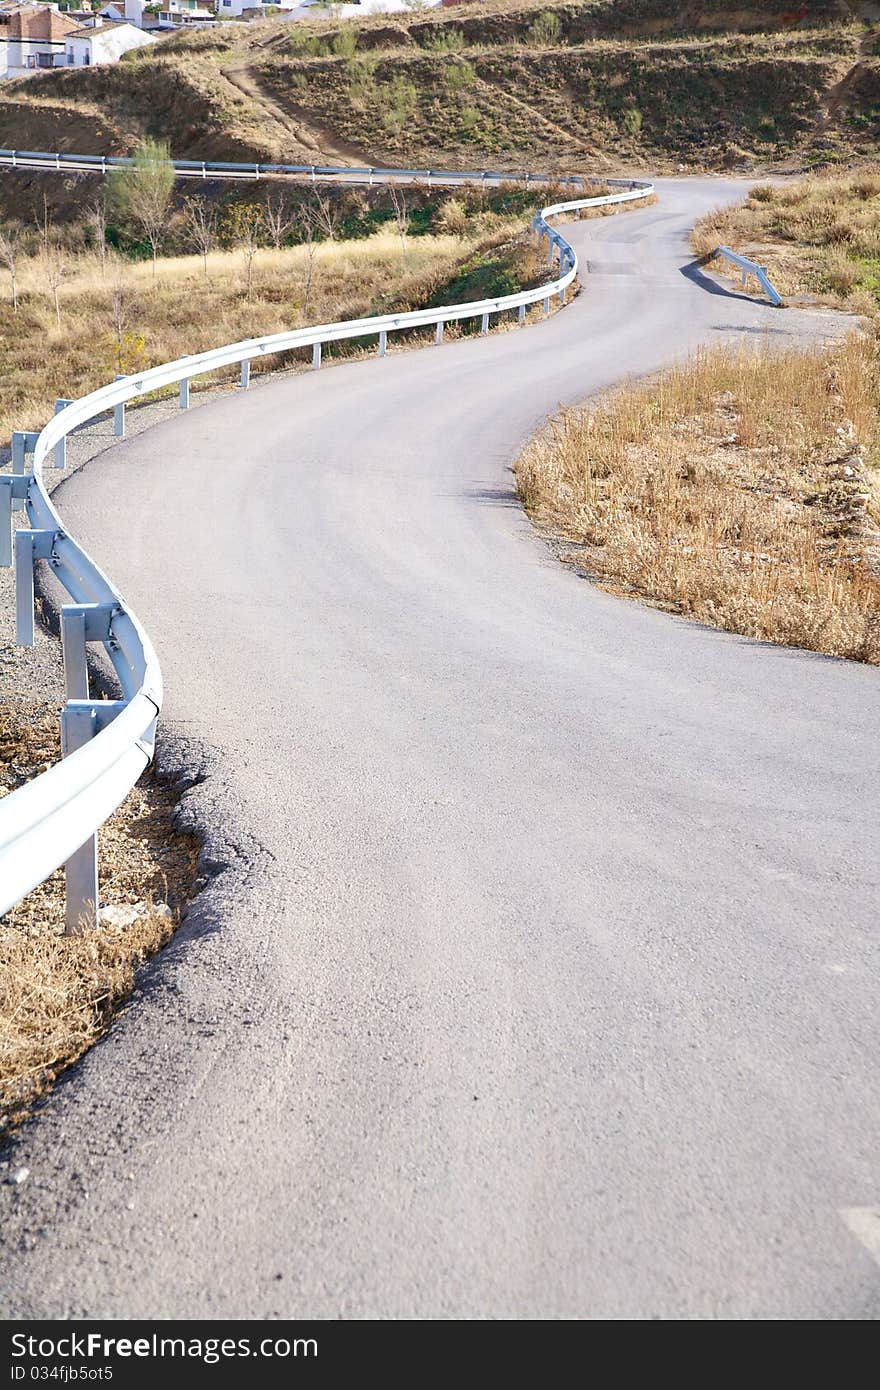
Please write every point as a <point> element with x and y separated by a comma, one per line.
<point>541,980</point>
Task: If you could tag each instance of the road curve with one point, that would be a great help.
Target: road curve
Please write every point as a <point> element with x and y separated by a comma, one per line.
<point>542,979</point>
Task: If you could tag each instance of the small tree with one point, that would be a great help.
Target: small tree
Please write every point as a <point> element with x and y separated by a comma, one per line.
<point>11,245</point>
<point>401,215</point>
<point>306,223</point>
<point>142,192</point>
<point>118,318</point>
<point>44,226</point>
<point>326,216</point>
<point>129,346</point>
<point>244,226</point>
<point>54,267</point>
<point>201,227</point>
<point>96,221</point>
<point>278,217</point>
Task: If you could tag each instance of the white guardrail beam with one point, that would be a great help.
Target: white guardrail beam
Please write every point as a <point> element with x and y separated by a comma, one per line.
<point>106,744</point>
<point>748,268</point>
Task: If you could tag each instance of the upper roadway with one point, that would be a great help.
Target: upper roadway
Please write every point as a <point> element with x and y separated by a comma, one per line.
<point>542,978</point>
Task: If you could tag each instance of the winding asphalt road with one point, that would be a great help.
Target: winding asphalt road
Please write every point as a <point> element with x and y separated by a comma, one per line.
<point>542,977</point>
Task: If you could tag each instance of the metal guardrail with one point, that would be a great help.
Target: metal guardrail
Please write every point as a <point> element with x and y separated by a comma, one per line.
<point>751,268</point>
<point>56,162</point>
<point>106,744</point>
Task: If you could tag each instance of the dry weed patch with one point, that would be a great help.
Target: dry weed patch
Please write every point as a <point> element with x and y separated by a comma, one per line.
<point>818,236</point>
<point>739,488</point>
<point>116,319</point>
<point>58,993</point>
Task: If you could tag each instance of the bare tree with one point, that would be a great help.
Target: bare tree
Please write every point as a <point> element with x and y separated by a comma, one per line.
<point>201,227</point>
<point>54,267</point>
<point>96,221</point>
<point>401,215</point>
<point>306,223</point>
<point>327,216</point>
<point>44,226</point>
<point>244,225</point>
<point>11,245</point>
<point>278,217</point>
<point>118,317</point>
<point>142,192</point>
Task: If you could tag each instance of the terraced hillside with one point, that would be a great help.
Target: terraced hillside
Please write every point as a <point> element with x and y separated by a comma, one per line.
<point>595,82</point>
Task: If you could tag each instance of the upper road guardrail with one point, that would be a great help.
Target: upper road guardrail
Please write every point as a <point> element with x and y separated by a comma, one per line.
<point>106,744</point>
<point>56,162</point>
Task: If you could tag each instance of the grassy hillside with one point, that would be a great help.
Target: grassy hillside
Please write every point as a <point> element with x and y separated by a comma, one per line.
<point>598,82</point>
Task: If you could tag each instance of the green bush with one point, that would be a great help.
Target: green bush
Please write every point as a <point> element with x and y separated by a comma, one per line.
<point>459,76</point>
<point>546,30</point>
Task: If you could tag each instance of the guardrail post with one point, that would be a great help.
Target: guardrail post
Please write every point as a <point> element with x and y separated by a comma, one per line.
<point>78,727</point>
<point>546,307</point>
<point>204,170</point>
<point>184,393</point>
<point>438,336</point>
<point>484,326</point>
<point>13,487</point>
<point>549,250</point>
<point>521,313</point>
<point>383,342</point>
<point>18,466</point>
<point>73,648</point>
<point>119,412</point>
<point>6,500</point>
<point>316,357</point>
<point>29,546</point>
<point>23,443</point>
<point>245,374</point>
<point>82,623</point>
<point>61,446</point>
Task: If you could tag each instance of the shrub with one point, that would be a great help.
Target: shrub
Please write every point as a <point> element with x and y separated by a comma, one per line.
<point>546,29</point>
<point>459,76</point>
<point>632,121</point>
<point>346,41</point>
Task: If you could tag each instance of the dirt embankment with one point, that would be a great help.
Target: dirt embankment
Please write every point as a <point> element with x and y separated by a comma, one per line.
<point>601,82</point>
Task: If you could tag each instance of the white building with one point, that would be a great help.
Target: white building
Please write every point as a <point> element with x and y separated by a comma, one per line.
<point>185,12</point>
<point>235,8</point>
<point>32,38</point>
<point>103,41</point>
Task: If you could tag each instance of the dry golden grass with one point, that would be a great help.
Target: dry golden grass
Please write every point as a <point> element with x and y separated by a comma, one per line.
<point>740,488</point>
<point>818,236</point>
<point>122,322</point>
<point>58,993</point>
